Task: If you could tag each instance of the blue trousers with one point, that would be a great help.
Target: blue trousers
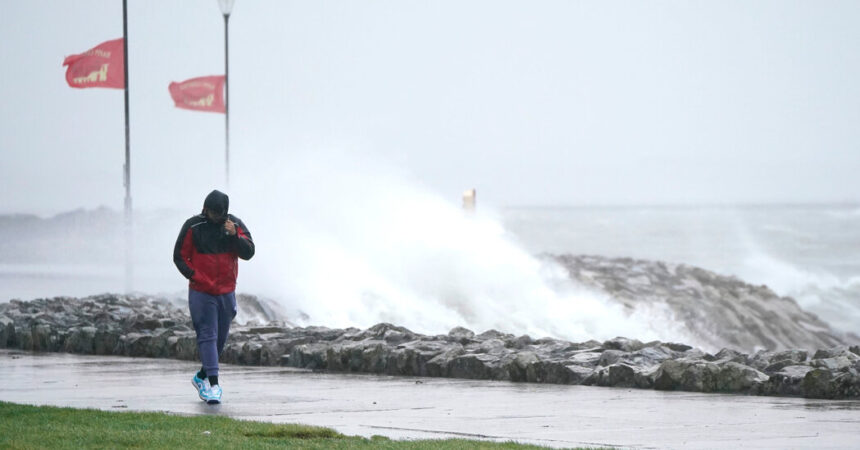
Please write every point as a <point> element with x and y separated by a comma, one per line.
<point>211,315</point>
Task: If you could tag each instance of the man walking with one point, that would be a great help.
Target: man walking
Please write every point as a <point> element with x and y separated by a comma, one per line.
<point>206,253</point>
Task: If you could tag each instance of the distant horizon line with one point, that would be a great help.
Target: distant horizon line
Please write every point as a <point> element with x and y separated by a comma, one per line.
<point>709,205</point>
<point>823,204</point>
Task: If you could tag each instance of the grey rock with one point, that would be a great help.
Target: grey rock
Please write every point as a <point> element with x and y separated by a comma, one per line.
<point>623,344</point>
<point>519,343</point>
<point>586,358</point>
<point>396,337</point>
<point>494,334</point>
<point>695,353</point>
<point>645,378</point>
<point>473,366</point>
<point>728,354</point>
<point>762,360</point>
<point>787,381</point>
<point>144,326</point>
<point>309,356</point>
<point>833,364</point>
<point>7,331</point>
<point>81,340</point>
<point>705,376</point>
<point>412,358</point>
<point>521,366</point>
<point>492,346</point>
<point>183,346</point>
<point>552,372</point>
<point>678,347</point>
<point>778,366</point>
<point>578,374</point>
<point>41,338</point>
<point>375,358</point>
<point>833,352</point>
<point>798,356</point>
<point>461,335</point>
<point>610,357</point>
<point>618,375</point>
<point>379,331</point>
<point>271,352</point>
<point>439,365</point>
<point>135,344</point>
<point>650,356</point>
<point>736,377</point>
<point>720,311</point>
<point>824,383</point>
<point>145,323</point>
<point>268,330</point>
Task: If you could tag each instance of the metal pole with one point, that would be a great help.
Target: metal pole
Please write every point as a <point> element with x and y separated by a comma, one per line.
<point>226,105</point>
<point>127,166</point>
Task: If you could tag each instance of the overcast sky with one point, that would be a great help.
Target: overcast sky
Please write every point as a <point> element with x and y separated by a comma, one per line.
<point>530,102</point>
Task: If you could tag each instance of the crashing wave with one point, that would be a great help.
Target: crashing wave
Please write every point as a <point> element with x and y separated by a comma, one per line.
<point>717,311</point>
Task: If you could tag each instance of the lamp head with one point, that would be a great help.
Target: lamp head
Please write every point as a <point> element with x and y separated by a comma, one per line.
<point>226,6</point>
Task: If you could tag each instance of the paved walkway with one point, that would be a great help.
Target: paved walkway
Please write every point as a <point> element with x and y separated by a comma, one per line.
<point>410,408</point>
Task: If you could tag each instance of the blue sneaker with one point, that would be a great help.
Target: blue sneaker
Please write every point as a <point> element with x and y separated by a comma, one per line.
<point>212,395</point>
<point>201,386</point>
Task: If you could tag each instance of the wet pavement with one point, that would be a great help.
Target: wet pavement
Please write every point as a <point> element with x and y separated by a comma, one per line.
<point>433,408</point>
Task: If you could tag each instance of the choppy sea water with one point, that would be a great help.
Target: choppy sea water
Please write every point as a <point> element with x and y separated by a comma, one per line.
<point>419,268</point>
<point>811,253</point>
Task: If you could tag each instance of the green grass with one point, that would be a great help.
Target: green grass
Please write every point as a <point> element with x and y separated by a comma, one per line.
<point>23,426</point>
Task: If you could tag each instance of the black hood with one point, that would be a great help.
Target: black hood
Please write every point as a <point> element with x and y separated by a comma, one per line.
<point>217,202</point>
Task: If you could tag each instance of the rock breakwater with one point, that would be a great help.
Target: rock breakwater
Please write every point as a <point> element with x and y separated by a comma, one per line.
<point>144,326</point>
<point>716,310</point>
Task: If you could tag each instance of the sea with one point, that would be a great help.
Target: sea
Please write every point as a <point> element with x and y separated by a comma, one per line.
<point>350,273</point>
<point>808,252</point>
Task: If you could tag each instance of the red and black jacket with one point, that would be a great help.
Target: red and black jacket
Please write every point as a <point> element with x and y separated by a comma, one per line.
<point>208,257</point>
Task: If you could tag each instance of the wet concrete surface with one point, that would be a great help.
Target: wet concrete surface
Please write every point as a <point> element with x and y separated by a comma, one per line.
<point>434,408</point>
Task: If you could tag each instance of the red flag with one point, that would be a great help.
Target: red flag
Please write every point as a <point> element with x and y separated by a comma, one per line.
<point>201,93</point>
<point>100,66</point>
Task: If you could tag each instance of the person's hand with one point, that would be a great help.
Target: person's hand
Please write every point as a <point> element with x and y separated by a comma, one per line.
<point>229,228</point>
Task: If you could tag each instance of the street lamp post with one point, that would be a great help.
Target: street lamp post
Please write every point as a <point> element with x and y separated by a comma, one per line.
<point>226,8</point>
<point>129,236</point>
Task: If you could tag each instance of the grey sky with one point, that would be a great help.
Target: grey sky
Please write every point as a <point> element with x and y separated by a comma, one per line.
<point>531,102</point>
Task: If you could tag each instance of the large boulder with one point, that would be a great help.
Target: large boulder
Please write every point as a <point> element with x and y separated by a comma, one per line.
<point>80,340</point>
<point>825,383</point>
<point>412,358</point>
<point>461,335</point>
<point>478,366</point>
<point>309,356</point>
<point>588,358</point>
<point>440,364</point>
<point>704,376</point>
<point>617,375</point>
<point>650,356</point>
<point>7,331</point>
<point>623,344</point>
<point>609,357</point>
<point>520,366</point>
<point>787,381</point>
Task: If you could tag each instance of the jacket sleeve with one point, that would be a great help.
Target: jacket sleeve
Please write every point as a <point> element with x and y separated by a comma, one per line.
<point>244,243</point>
<point>182,251</point>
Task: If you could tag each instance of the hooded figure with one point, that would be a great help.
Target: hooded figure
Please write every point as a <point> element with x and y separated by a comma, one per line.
<point>209,245</point>
<point>217,202</point>
<point>206,253</point>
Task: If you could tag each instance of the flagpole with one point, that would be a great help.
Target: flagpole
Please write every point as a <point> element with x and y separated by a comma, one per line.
<point>127,167</point>
<point>226,105</point>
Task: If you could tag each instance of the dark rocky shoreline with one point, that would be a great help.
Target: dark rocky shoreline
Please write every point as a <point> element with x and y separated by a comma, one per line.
<point>716,310</point>
<point>151,327</point>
